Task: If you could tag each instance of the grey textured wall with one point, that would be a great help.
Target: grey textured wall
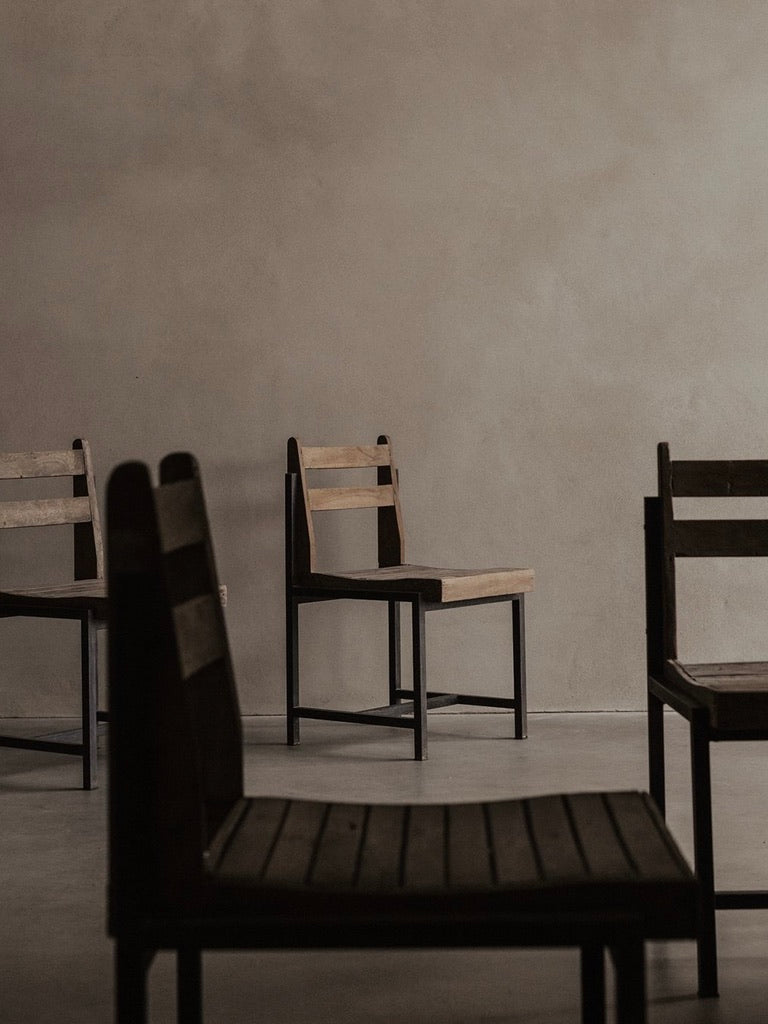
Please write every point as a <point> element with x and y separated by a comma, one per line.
<point>527,239</point>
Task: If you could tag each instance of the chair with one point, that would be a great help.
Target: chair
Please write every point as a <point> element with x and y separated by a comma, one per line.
<point>196,865</point>
<point>424,588</point>
<point>720,701</point>
<point>83,600</point>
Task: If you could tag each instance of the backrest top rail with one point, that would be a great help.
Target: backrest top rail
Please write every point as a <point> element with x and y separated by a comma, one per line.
<point>346,456</point>
<point>30,465</point>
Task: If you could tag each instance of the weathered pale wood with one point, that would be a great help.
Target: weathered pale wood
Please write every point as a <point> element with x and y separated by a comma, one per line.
<point>389,518</point>
<point>712,478</point>
<point>180,515</point>
<point>30,465</point>
<point>44,512</point>
<point>199,635</point>
<point>88,543</point>
<point>734,693</point>
<point>345,456</point>
<point>436,584</point>
<point>79,590</point>
<point>322,499</point>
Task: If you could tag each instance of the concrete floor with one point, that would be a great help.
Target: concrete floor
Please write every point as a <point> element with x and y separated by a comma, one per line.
<point>55,958</point>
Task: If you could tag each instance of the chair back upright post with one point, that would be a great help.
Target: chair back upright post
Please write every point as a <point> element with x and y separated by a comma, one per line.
<point>384,497</point>
<point>175,742</point>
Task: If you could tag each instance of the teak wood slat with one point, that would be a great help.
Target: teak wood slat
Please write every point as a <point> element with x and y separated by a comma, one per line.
<point>420,588</point>
<point>195,864</point>
<point>81,599</point>
<point>722,701</point>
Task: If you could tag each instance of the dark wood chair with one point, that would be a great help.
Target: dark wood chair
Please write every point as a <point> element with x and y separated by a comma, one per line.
<point>394,581</point>
<point>82,599</point>
<point>723,701</point>
<point>196,865</point>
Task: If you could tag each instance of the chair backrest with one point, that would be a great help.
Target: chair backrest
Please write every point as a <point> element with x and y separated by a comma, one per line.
<point>302,501</point>
<point>175,733</point>
<point>81,510</point>
<point>668,538</point>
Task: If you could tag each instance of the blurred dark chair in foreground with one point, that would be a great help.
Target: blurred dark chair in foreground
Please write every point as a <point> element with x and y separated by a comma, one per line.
<point>722,701</point>
<point>196,865</point>
<point>82,599</point>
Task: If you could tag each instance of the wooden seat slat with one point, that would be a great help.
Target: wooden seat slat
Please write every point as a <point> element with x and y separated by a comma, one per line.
<point>513,853</point>
<point>469,856</point>
<point>442,585</point>
<point>338,852</point>
<point>380,861</point>
<point>293,854</point>
<point>648,849</point>
<point>553,839</point>
<point>600,843</point>
<point>424,860</point>
<point>245,856</point>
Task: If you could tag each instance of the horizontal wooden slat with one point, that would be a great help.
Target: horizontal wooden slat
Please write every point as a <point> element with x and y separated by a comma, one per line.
<point>28,465</point>
<point>44,512</point>
<point>199,633</point>
<point>739,478</point>
<point>180,514</point>
<point>326,498</point>
<point>346,457</point>
<point>714,538</point>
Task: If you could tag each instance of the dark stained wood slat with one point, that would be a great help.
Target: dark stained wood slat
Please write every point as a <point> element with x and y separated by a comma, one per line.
<point>513,854</point>
<point>719,538</point>
<point>380,858</point>
<point>180,514</point>
<point>640,833</point>
<point>31,465</point>
<point>712,478</point>
<point>292,856</point>
<point>199,633</point>
<point>424,860</point>
<point>241,853</point>
<point>337,855</point>
<point>44,512</point>
<point>469,861</point>
<point>600,844</point>
<point>730,670</point>
<point>553,838</point>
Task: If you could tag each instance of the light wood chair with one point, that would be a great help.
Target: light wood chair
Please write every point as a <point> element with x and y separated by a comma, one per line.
<point>395,582</point>
<point>195,865</point>
<point>721,701</point>
<point>82,599</point>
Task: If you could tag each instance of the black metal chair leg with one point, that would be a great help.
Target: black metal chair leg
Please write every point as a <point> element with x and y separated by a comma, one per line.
<point>418,618</point>
<point>189,985</point>
<point>393,609</point>
<point>131,965</point>
<point>292,669</point>
<point>656,751</point>
<point>703,852</point>
<point>629,964</point>
<point>90,698</point>
<point>518,667</point>
<point>592,985</point>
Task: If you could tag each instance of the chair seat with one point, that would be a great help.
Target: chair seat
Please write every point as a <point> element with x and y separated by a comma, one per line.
<point>439,585</point>
<point>573,854</point>
<point>734,693</point>
<point>79,595</point>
